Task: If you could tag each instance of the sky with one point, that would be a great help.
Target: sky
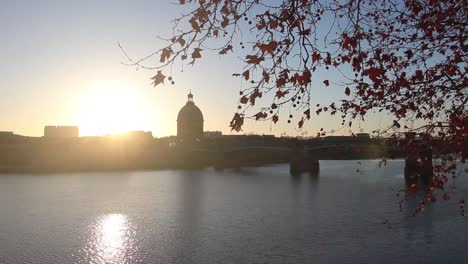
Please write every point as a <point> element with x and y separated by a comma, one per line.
<point>61,65</point>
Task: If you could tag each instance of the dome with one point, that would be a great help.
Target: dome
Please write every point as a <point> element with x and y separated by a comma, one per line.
<point>190,121</point>
<point>190,112</point>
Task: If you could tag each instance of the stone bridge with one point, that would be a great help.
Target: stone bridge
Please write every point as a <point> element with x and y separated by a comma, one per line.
<point>301,158</point>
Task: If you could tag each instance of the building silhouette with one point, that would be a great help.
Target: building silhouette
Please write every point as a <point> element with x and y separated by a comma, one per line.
<point>190,121</point>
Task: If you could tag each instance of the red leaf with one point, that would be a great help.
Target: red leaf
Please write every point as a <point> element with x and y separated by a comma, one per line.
<point>301,123</point>
<point>260,115</point>
<point>225,50</point>
<point>266,76</point>
<point>347,91</point>
<point>280,94</point>
<point>275,119</point>
<point>304,32</point>
<point>273,24</point>
<point>280,82</point>
<point>244,99</point>
<point>237,122</point>
<point>270,47</point>
<point>315,57</point>
<point>374,73</point>
<point>252,59</point>
<point>246,75</point>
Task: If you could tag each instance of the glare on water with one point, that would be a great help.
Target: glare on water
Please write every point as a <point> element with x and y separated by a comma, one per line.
<point>112,239</point>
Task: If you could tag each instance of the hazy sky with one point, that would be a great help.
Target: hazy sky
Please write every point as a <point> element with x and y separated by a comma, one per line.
<point>60,65</point>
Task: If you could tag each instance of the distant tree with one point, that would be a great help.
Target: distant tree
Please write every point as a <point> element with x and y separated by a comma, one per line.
<point>407,58</point>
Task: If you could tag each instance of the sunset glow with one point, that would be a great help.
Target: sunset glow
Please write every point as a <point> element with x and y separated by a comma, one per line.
<point>112,109</point>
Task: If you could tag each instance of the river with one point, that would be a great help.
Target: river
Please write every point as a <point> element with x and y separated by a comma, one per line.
<point>348,214</point>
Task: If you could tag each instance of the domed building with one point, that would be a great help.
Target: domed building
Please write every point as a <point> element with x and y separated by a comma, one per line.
<point>190,121</point>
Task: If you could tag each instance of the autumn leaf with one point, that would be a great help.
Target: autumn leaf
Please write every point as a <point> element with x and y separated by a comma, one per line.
<point>196,54</point>
<point>165,54</point>
<point>304,32</point>
<point>256,93</point>
<point>158,78</point>
<point>273,24</point>
<point>270,47</point>
<point>237,122</point>
<point>181,41</point>
<point>315,57</point>
<point>301,123</point>
<point>225,22</point>
<point>225,49</point>
<point>347,91</point>
<point>266,76</point>
<point>195,25</point>
<point>252,59</point>
<point>260,115</point>
<point>246,75</point>
<point>280,94</point>
<point>374,73</point>
<point>244,99</point>
<point>275,118</point>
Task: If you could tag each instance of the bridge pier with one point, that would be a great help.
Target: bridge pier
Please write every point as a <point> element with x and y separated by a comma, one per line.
<point>419,166</point>
<point>301,162</point>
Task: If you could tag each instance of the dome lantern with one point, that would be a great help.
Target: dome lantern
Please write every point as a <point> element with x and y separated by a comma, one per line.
<point>190,97</point>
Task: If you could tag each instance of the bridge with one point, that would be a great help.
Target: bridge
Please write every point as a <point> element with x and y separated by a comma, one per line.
<point>302,158</point>
<point>305,158</point>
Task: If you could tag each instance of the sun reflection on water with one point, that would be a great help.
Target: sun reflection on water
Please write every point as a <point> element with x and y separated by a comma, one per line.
<point>112,240</point>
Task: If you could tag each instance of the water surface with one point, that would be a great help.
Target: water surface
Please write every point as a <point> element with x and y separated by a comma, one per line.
<point>250,215</point>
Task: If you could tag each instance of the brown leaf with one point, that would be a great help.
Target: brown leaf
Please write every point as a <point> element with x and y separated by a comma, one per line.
<point>315,57</point>
<point>225,49</point>
<point>158,78</point>
<point>304,32</point>
<point>237,122</point>
<point>246,75</point>
<point>196,53</point>
<point>266,76</point>
<point>275,118</point>
<point>347,91</point>
<point>301,123</point>
<point>195,25</point>
<point>280,94</point>
<point>270,47</point>
<point>244,99</point>
<point>165,54</point>
<point>181,41</point>
<point>252,59</point>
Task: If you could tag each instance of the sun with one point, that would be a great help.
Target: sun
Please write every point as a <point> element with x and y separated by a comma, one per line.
<point>110,110</point>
